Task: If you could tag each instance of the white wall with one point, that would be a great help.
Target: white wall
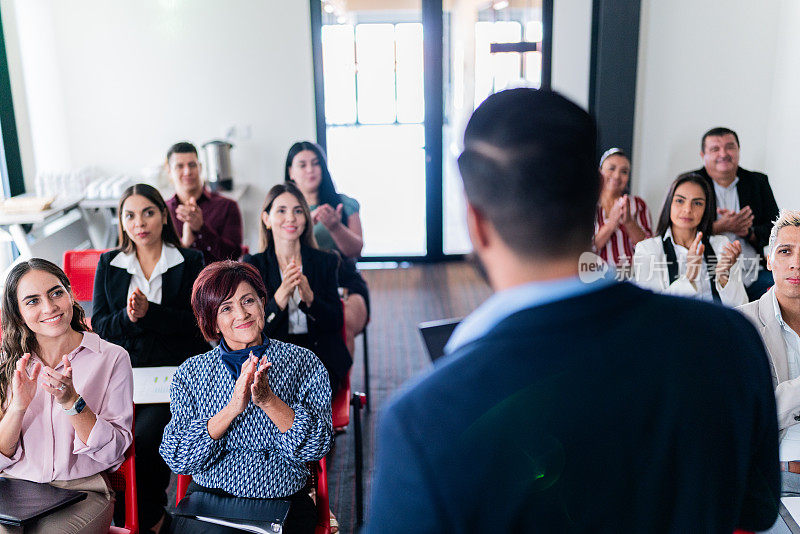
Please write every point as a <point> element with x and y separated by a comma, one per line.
<point>114,84</point>
<point>572,49</point>
<point>782,137</point>
<point>704,64</point>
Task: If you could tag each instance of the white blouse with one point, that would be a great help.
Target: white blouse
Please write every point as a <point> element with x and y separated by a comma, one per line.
<point>298,322</point>
<point>650,271</point>
<point>170,257</point>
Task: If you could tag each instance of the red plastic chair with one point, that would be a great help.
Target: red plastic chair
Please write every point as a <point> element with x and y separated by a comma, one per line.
<point>123,480</point>
<point>79,266</point>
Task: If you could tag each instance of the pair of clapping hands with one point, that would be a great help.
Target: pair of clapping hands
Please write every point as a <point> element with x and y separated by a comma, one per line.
<point>694,259</point>
<point>137,305</point>
<point>621,212</point>
<point>293,278</point>
<point>191,216</point>
<point>253,383</point>
<point>329,217</point>
<point>23,385</point>
<point>739,222</point>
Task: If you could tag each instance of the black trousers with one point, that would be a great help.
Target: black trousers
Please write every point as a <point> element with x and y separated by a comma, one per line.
<point>152,474</point>
<point>302,518</point>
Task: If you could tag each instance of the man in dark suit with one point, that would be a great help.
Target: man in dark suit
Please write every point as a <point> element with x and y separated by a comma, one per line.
<point>746,207</point>
<point>564,406</point>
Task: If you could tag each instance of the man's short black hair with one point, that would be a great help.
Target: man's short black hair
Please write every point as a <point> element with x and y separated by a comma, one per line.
<point>529,166</point>
<point>719,131</point>
<point>183,147</point>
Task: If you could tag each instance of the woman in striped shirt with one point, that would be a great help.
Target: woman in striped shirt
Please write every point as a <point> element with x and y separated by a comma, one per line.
<point>621,220</point>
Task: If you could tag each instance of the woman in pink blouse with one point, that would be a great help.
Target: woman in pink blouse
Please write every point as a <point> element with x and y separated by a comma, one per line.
<point>621,220</point>
<point>66,398</point>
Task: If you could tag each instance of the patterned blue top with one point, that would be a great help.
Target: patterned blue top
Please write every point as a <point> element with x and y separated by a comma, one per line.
<point>253,459</point>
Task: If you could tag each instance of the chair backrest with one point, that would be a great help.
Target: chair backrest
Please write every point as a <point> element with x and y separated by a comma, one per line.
<point>123,480</point>
<point>340,405</point>
<point>79,266</point>
<point>182,486</point>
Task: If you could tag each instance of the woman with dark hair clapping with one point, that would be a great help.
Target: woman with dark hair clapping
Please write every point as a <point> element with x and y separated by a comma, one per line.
<point>142,293</point>
<point>337,226</point>
<point>683,259</point>
<point>66,398</point>
<point>249,414</point>
<point>303,304</point>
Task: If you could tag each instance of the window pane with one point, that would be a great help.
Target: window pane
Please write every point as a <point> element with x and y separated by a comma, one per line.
<point>506,66</point>
<point>338,63</point>
<point>376,88</point>
<point>410,87</point>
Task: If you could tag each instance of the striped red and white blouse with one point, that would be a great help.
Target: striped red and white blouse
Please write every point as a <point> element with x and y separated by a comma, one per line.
<point>619,249</point>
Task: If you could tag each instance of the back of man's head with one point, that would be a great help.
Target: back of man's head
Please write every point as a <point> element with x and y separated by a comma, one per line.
<point>529,167</point>
<point>182,147</point>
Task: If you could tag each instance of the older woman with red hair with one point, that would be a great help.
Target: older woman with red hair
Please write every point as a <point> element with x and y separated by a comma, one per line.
<point>249,414</point>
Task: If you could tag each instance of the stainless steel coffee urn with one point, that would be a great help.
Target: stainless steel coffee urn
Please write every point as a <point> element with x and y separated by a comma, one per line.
<point>218,159</point>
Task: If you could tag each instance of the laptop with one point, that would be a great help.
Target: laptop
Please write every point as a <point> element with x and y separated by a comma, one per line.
<point>22,502</point>
<point>435,335</point>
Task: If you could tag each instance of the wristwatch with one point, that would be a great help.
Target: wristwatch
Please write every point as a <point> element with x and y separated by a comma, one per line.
<point>77,408</point>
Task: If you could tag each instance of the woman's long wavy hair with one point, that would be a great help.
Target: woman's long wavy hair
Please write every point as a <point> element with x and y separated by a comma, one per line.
<point>17,337</point>
<point>327,191</point>
<point>265,235</point>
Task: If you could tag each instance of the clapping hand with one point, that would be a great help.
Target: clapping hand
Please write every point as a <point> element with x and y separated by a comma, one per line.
<point>241,390</point>
<point>329,217</point>
<point>59,385</point>
<point>292,276</point>
<point>261,392</point>
<point>137,305</point>
<point>737,222</point>
<point>617,216</point>
<point>191,214</point>
<point>730,253</point>
<point>23,386</point>
<point>694,259</point>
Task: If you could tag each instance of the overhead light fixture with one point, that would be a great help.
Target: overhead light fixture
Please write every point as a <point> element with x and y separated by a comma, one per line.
<point>502,4</point>
<point>341,19</point>
<point>328,7</point>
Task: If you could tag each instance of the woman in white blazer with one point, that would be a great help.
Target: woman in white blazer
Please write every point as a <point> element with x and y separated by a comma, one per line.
<point>683,259</point>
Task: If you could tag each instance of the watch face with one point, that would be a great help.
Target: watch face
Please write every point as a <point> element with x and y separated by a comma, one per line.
<point>80,404</point>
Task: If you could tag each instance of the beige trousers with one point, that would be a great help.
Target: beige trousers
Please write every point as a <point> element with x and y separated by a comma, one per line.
<point>92,515</point>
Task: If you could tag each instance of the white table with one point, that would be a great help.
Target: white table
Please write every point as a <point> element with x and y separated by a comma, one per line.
<point>13,225</point>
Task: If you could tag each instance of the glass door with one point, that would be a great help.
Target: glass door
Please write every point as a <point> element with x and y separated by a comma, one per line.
<point>372,61</point>
<point>488,47</point>
<point>398,80</point>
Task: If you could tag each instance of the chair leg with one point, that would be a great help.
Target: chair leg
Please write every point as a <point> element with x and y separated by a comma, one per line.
<point>357,401</point>
<point>366,366</point>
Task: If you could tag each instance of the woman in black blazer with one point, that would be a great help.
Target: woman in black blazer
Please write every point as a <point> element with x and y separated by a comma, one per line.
<point>141,301</point>
<point>304,307</point>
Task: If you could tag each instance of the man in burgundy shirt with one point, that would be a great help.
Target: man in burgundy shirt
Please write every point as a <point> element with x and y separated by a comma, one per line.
<point>205,220</point>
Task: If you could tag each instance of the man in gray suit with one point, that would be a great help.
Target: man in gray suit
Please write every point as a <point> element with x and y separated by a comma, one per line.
<point>776,315</point>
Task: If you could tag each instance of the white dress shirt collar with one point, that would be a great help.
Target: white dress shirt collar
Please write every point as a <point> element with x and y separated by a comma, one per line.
<point>170,257</point>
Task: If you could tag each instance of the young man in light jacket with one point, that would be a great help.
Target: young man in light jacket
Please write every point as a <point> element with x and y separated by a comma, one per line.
<point>776,315</point>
